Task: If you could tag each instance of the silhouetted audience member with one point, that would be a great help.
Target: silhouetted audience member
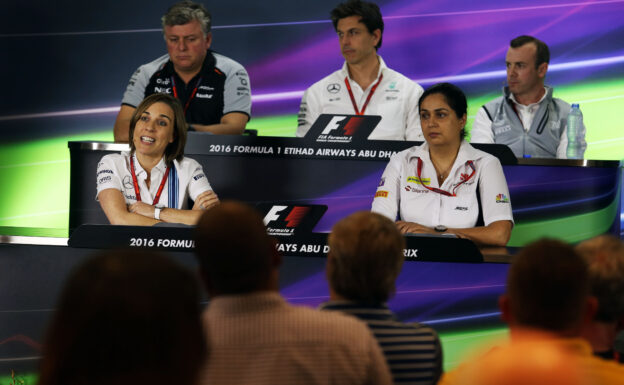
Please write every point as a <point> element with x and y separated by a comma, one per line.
<point>125,317</point>
<point>255,336</point>
<point>605,257</point>
<point>363,263</point>
<point>548,298</point>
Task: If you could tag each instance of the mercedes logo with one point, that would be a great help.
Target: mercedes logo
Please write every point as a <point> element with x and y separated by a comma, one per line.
<point>333,88</point>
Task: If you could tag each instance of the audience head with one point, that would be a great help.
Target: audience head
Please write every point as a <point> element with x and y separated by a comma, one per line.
<point>368,13</point>
<point>365,257</point>
<point>125,317</point>
<point>235,253</point>
<point>454,98</point>
<point>605,258</point>
<point>185,12</point>
<point>548,289</point>
<point>175,149</point>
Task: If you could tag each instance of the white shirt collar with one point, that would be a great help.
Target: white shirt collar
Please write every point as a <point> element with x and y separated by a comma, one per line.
<point>513,99</point>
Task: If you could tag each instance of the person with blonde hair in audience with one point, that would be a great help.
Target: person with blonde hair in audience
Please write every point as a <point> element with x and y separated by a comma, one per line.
<point>364,260</point>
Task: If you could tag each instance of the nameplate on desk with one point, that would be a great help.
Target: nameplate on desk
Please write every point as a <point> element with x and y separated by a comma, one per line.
<point>151,237</point>
<point>430,249</point>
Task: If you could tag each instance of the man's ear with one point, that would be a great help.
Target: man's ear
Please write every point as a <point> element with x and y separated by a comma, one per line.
<point>208,40</point>
<point>590,310</point>
<point>504,304</point>
<point>542,69</point>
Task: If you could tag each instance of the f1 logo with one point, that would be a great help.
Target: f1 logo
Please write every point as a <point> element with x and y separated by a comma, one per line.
<point>292,219</point>
<point>333,124</point>
<point>273,214</point>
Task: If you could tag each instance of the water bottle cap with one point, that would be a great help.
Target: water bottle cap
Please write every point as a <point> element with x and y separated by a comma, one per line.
<point>575,105</point>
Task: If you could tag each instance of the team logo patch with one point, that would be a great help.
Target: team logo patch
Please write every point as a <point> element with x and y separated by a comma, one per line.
<point>502,198</point>
<point>333,88</point>
<point>127,182</point>
<point>414,179</point>
<point>381,194</point>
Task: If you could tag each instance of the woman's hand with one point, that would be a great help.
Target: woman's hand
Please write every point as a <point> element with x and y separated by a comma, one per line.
<point>411,227</point>
<point>206,200</point>
<point>142,208</point>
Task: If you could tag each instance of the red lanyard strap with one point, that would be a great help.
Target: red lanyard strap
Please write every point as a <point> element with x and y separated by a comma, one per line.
<point>464,178</point>
<point>136,183</point>
<point>370,95</point>
<point>188,102</point>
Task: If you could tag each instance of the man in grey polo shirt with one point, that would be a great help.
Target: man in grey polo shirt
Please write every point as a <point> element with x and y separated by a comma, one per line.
<point>526,118</point>
<point>213,89</point>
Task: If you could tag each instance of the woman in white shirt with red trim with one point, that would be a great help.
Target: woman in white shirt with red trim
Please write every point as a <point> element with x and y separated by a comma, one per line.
<point>152,182</point>
<point>445,185</point>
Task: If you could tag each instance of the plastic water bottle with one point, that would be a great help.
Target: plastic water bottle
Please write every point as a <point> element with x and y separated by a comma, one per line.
<point>576,133</point>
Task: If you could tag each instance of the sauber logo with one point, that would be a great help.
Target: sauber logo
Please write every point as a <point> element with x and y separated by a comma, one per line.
<point>284,220</point>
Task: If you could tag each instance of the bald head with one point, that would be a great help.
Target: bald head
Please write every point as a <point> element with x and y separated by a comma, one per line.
<point>365,257</point>
<point>234,251</point>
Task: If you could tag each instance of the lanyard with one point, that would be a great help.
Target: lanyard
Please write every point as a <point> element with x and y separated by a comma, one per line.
<point>370,95</point>
<point>136,183</point>
<point>465,178</point>
<point>188,102</point>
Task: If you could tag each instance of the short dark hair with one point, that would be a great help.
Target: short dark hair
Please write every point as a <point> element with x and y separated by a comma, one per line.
<point>605,258</point>
<point>454,97</point>
<point>125,317</point>
<point>548,285</point>
<point>186,11</point>
<point>542,54</point>
<point>366,256</point>
<point>174,150</point>
<point>369,14</point>
<point>233,248</point>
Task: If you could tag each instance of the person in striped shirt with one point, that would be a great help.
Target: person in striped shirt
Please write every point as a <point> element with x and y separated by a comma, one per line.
<point>365,257</point>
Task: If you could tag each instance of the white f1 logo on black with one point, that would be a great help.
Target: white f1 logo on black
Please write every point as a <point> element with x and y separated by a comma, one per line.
<point>273,214</point>
<point>333,124</point>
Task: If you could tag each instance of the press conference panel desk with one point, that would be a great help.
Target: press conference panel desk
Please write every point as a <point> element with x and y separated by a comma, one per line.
<point>567,199</point>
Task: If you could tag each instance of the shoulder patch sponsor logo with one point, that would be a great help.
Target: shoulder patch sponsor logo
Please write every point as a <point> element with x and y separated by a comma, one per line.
<point>203,96</point>
<point>333,88</point>
<point>392,97</point>
<point>413,179</point>
<point>244,81</point>
<point>105,171</point>
<point>461,208</point>
<point>199,176</point>
<point>382,182</point>
<point>381,194</point>
<point>241,73</point>
<point>163,81</point>
<point>105,179</point>
<point>502,198</point>
<point>392,85</point>
<point>207,88</point>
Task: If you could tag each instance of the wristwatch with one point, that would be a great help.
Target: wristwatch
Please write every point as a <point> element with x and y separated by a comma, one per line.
<point>157,213</point>
<point>440,228</point>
